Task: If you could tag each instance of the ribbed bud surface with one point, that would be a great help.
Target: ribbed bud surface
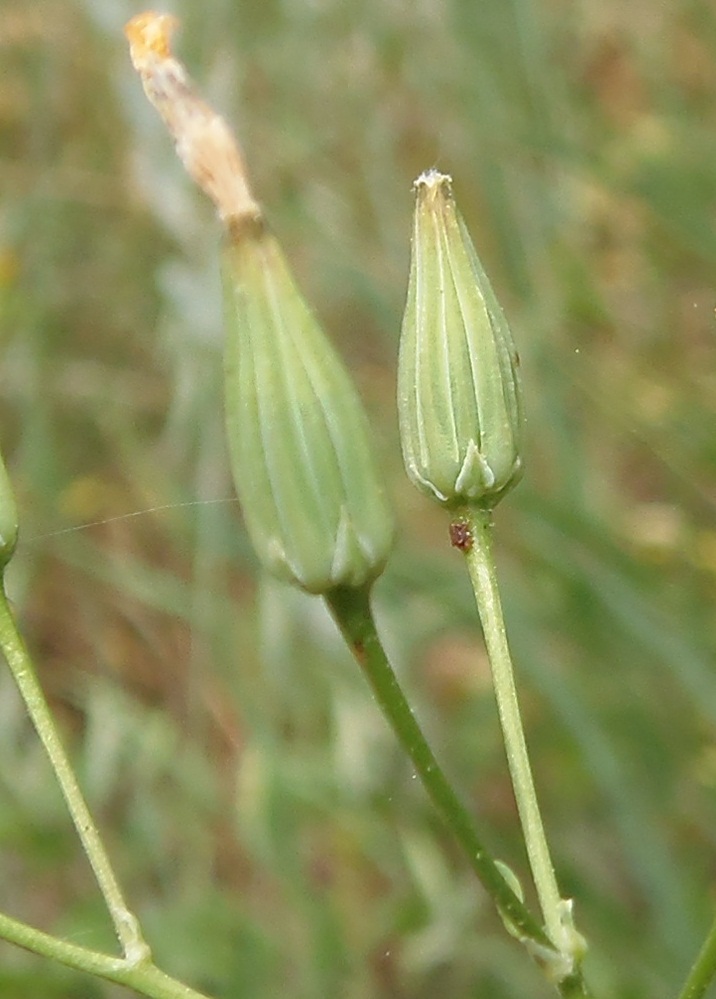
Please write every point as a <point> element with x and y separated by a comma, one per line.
<point>459,397</point>
<point>312,498</point>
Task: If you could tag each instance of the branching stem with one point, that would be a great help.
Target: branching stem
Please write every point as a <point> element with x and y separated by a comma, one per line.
<point>352,612</point>
<point>145,978</point>
<point>13,647</point>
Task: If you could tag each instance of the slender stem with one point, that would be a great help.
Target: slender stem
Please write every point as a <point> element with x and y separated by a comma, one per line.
<point>481,566</point>
<point>145,978</point>
<point>352,612</point>
<point>126,925</point>
<point>703,970</point>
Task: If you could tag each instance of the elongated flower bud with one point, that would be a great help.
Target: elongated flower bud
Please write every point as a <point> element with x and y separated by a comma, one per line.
<point>459,398</point>
<point>312,498</point>
<point>311,494</point>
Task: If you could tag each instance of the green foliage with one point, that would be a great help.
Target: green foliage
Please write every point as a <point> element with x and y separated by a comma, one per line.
<point>263,821</point>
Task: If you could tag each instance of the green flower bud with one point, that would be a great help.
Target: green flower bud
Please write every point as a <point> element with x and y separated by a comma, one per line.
<point>313,502</point>
<point>459,396</point>
<point>314,505</point>
<point>8,518</point>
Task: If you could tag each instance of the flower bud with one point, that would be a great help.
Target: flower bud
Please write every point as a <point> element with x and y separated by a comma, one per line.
<point>459,397</point>
<point>313,502</point>
<point>312,498</point>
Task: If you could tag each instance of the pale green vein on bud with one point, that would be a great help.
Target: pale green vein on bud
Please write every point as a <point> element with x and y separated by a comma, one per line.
<point>313,501</point>
<point>459,396</point>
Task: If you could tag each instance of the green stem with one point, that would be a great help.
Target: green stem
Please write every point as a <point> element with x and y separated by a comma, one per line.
<point>481,566</point>
<point>352,612</point>
<point>18,659</point>
<point>145,978</point>
<point>704,969</point>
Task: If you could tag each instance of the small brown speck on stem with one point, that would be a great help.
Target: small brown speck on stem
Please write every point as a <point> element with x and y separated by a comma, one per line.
<point>461,535</point>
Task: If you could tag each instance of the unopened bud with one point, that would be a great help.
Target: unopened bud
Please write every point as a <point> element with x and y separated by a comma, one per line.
<point>459,397</point>
<point>313,502</point>
<point>312,498</point>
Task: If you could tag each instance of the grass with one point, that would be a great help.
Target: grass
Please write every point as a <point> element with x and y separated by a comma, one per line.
<point>263,821</point>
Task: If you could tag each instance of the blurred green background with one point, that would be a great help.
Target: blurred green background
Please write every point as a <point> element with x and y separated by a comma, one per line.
<point>261,818</point>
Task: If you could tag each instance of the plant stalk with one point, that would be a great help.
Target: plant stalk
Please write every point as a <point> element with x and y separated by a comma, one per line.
<point>352,612</point>
<point>481,567</point>
<point>145,978</point>
<point>704,968</point>
<point>18,659</point>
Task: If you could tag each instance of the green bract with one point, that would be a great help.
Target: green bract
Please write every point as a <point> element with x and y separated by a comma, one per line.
<point>314,505</point>
<point>459,396</point>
